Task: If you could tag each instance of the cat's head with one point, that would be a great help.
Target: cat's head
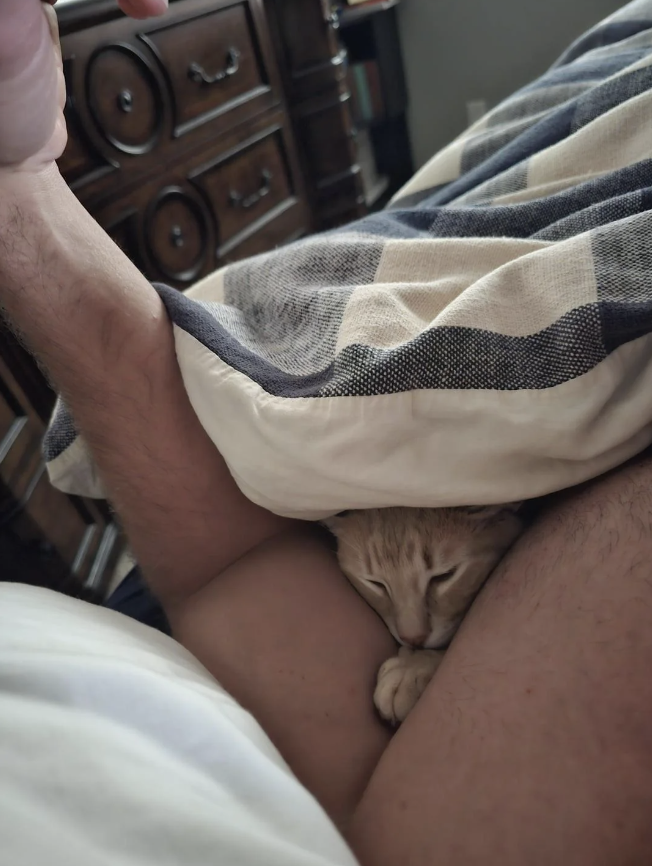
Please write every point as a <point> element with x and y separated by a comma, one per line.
<point>420,568</point>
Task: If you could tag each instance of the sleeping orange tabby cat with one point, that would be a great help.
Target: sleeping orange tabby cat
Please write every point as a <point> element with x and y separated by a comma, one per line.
<point>420,569</point>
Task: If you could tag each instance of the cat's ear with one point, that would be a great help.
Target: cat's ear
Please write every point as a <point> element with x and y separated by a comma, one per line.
<point>335,523</point>
<point>487,512</point>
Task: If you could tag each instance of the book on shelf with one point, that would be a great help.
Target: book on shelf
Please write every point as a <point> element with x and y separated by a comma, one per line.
<point>373,184</point>
<point>362,2</point>
<point>367,103</point>
<point>372,72</point>
<point>366,160</point>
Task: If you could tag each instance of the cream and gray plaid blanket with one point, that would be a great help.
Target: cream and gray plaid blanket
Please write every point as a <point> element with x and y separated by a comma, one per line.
<point>486,338</point>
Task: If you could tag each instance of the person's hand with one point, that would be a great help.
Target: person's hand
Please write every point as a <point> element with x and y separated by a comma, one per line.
<point>32,88</point>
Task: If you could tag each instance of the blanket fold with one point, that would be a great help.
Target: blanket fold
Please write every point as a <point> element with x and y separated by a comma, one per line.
<point>486,338</point>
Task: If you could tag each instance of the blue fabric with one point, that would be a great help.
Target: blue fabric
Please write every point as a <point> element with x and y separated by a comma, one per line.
<point>133,599</point>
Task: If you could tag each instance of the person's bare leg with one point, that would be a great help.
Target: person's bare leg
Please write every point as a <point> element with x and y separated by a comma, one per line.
<point>292,641</point>
<point>533,743</point>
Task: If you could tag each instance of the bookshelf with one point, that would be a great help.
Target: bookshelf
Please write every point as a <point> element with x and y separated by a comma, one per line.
<point>379,98</point>
<point>353,14</point>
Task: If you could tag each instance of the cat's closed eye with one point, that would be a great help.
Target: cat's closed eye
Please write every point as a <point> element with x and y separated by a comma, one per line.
<point>442,577</point>
<point>377,585</point>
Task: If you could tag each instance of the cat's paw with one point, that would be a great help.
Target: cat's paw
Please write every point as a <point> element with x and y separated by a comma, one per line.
<point>402,680</point>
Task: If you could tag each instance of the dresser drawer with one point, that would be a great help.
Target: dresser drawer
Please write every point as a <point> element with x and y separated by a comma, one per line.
<point>143,94</point>
<point>212,63</point>
<point>124,98</point>
<point>238,195</point>
<point>178,233</point>
<point>246,185</point>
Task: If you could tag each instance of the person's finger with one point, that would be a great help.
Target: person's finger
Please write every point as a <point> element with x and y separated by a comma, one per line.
<point>143,8</point>
<point>21,27</point>
<point>53,23</point>
<point>137,8</point>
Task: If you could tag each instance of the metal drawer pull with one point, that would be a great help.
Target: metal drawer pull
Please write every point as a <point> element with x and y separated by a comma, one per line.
<point>197,73</point>
<point>126,101</point>
<point>239,200</point>
<point>176,237</point>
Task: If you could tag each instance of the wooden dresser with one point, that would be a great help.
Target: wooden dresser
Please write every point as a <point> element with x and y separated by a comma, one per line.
<point>217,132</point>
<point>180,145</point>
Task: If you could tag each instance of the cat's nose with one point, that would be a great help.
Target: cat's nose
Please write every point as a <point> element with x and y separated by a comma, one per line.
<point>414,639</point>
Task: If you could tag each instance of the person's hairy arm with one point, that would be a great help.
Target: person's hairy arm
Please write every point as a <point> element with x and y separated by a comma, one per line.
<point>267,612</point>
<point>101,332</point>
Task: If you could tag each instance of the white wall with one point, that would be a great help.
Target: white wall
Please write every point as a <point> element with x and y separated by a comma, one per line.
<point>460,50</point>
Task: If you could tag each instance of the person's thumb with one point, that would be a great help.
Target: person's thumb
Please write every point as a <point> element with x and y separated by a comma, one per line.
<point>28,80</point>
<point>143,8</point>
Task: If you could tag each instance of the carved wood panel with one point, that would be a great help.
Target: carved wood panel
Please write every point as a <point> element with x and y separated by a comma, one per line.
<point>140,93</point>
<point>213,63</point>
<point>313,66</point>
<point>126,98</point>
<point>207,210</point>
